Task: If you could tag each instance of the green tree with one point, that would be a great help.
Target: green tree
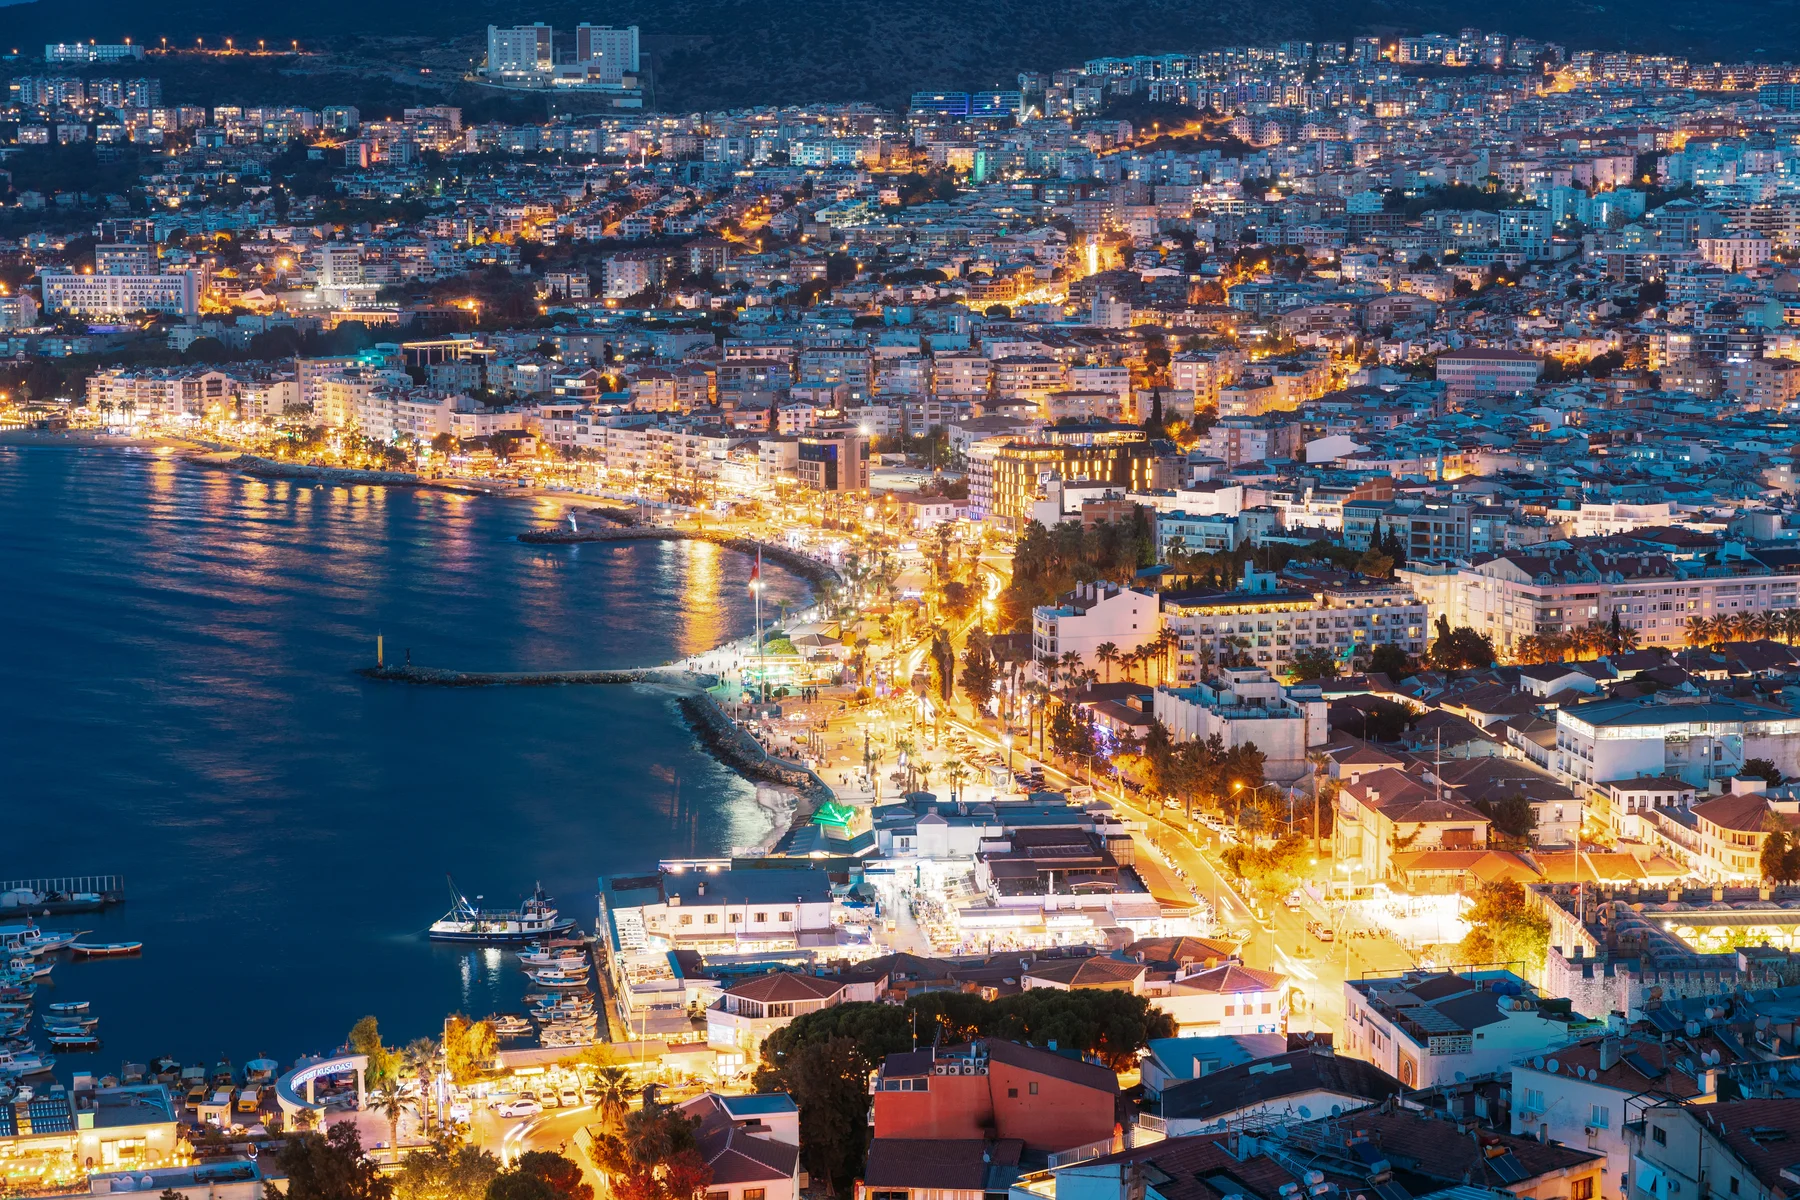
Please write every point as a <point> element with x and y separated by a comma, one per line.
<point>1511,815</point>
<point>979,674</point>
<point>446,1171</point>
<point>614,1086</point>
<point>1271,871</point>
<point>653,1157</point>
<point>469,1047</point>
<point>1777,855</point>
<point>1313,662</point>
<point>541,1175</point>
<point>1506,927</point>
<point>365,1038</point>
<point>830,1083</point>
<point>1390,660</point>
<point>329,1167</point>
<point>1763,769</point>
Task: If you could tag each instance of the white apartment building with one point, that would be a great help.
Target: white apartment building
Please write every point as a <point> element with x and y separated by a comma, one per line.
<point>18,311</point>
<point>1274,623</point>
<point>1245,705</point>
<point>65,292</point>
<point>719,910</point>
<point>160,394</point>
<point>1696,739</point>
<point>1515,594</point>
<point>519,50</point>
<point>1600,520</point>
<point>1089,617</point>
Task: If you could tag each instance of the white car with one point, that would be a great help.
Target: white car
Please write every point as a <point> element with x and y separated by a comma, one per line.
<point>520,1108</point>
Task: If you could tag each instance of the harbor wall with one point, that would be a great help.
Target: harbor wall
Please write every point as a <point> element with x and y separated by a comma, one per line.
<point>808,568</point>
<point>745,755</point>
<point>439,677</point>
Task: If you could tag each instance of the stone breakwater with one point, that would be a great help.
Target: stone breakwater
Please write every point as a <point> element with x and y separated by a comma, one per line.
<point>744,754</point>
<point>268,468</point>
<point>810,569</point>
<point>722,737</point>
<point>439,677</point>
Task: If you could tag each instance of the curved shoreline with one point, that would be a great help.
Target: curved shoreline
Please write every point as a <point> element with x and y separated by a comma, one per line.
<point>440,677</point>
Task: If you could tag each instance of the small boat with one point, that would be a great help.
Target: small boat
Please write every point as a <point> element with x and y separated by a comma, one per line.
<point>55,1031</point>
<point>466,922</point>
<point>104,949</point>
<point>43,941</point>
<point>69,1006</point>
<point>553,958</point>
<point>511,1026</point>
<point>558,981</point>
<point>77,1041</point>
<point>25,1063</point>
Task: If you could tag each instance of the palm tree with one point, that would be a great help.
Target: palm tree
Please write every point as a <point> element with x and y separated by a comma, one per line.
<point>1528,650</point>
<point>1106,654</point>
<point>1071,667</point>
<point>957,772</point>
<point>1790,625</point>
<point>1626,639</point>
<point>1768,625</point>
<point>614,1086</point>
<point>1721,630</point>
<point>1743,626</point>
<point>393,1102</point>
<point>420,1056</point>
<point>1698,632</point>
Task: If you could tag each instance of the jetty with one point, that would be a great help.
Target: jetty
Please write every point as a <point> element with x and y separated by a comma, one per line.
<point>62,893</point>
<point>439,677</point>
<point>808,568</point>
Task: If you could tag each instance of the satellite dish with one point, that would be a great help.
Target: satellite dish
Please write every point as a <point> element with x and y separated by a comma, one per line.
<point>1550,1066</point>
<point>1459,1077</point>
<point>1537,1063</point>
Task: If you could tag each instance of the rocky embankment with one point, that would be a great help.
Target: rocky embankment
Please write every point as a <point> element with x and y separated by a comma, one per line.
<point>810,569</point>
<point>745,755</point>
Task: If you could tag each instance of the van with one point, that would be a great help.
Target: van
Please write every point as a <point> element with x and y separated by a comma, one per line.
<point>196,1095</point>
<point>249,1100</point>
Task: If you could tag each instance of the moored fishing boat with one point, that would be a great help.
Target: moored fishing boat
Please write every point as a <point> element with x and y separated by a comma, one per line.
<point>68,1006</point>
<point>467,922</point>
<point>74,1041</point>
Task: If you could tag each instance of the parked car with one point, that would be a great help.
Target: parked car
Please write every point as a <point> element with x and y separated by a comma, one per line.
<point>1322,932</point>
<point>1292,900</point>
<point>570,1098</point>
<point>520,1108</point>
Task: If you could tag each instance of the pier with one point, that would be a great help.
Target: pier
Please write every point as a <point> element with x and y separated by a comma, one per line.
<point>58,894</point>
<point>810,569</point>
<point>439,677</point>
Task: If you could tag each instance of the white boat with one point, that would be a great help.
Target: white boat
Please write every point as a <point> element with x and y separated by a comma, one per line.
<point>104,949</point>
<point>466,922</point>
<point>69,1006</point>
<point>554,958</point>
<point>25,1063</point>
<point>558,981</point>
<point>50,941</point>
<point>75,1042</point>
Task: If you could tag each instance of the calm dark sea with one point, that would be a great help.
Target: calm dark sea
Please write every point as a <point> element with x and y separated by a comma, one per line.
<point>177,705</point>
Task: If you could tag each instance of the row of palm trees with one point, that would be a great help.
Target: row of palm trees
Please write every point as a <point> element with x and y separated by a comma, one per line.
<point>1586,641</point>
<point>1158,652</point>
<point>1782,625</point>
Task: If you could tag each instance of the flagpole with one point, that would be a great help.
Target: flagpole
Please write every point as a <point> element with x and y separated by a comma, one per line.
<point>762,665</point>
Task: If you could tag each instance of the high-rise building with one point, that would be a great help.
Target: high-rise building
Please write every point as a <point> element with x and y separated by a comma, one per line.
<point>519,50</point>
<point>609,53</point>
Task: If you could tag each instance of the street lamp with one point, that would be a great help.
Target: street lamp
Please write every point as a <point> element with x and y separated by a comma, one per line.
<point>1006,740</point>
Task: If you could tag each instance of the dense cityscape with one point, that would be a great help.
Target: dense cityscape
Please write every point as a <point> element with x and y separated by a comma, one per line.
<point>1299,650</point>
